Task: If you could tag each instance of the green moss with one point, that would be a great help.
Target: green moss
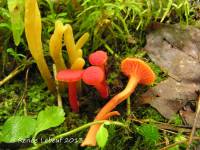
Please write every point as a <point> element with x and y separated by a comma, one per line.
<point>10,100</point>
<point>118,27</point>
<point>149,113</point>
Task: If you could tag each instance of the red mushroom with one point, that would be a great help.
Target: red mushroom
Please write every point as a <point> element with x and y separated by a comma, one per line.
<point>139,73</point>
<point>71,77</point>
<point>95,76</point>
<point>99,58</point>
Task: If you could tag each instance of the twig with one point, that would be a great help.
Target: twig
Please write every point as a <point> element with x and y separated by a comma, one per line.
<point>173,128</point>
<point>177,143</point>
<point>194,124</point>
<point>23,97</point>
<point>170,128</point>
<point>109,49</point>
<point>77,130</point>
<point>128,106</point>
<point>14,73</point>
<point>59,99</point>
<point>25,92</point>
<point>164,126</point>
<point>162,143</point>
<point>166,138</point>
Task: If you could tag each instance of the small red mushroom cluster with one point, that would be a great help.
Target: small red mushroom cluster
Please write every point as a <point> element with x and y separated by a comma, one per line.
<point>94,75</point>
<point>135,69</point>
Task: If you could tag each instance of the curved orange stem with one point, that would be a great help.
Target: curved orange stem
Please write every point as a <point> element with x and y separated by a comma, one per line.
<point>90,139</point>
<point>93,130</point>
<point>110,114</point>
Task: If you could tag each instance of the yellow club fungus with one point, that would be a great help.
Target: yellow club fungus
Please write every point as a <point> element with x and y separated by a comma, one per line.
<point>55,46</point>
<point>33,30</point>
<point>74,49</point>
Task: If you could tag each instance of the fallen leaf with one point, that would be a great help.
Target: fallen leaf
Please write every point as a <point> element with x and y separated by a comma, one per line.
<point>176,51</point>
<point>169,96</point>
<point>189,116</point>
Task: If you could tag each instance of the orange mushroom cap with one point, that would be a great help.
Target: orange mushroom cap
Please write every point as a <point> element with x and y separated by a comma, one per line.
<point>138,68</point>
<point>98,58</point>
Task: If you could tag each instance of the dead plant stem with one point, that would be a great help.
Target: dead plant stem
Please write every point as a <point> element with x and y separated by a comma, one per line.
<point>195,123</point>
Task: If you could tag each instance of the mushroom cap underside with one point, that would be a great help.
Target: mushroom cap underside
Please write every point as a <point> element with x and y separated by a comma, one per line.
<point>138,68</point>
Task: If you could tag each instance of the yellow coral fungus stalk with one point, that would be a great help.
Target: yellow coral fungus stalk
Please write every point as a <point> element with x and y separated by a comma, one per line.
<point>74,50</point>
<point>83,39</point>
<point>33,35</point>
<point>55,46</point>
<point>78,64</point>
<point>69,41</point>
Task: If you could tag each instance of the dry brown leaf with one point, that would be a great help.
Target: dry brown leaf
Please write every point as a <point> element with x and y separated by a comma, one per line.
<point>176,51</point>
<point>189,116</point>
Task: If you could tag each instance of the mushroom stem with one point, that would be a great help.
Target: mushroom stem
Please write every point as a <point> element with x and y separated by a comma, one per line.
<point>102,88</point>
<point>117,99</point>
<point>120,97</point>
<point>73,101</point>
<point>71,77</point>
<point>91,136</point>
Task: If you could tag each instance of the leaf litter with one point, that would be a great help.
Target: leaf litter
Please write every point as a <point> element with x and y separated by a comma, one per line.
<point>177,52</point>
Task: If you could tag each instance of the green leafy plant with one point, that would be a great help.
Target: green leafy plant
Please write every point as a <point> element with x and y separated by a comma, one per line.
<point>150,133</point>
<point>16,10</point>
<point>17,128</point>
<point>102,136</point>
<point>4,21</point>
<point>36,94</point>
<point>18,57</point>
<point>10,102</point>
<point>179,138</point>
<point>50,117</point>
<point>176,119</point>
<point>73,131</point>
<point>117,19</point>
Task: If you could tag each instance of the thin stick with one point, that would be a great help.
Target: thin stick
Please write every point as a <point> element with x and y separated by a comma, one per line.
<point>13,74</point>
<point>23,97</point>
<point>163,126</point>
<point>109,49</point>
<point>59,99</point>
<point>177,143</point>
<point>194,124</point>
<point>128,106</point>
<point>25,92</point>
<point>166,138</point>
<point>77,130</point>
